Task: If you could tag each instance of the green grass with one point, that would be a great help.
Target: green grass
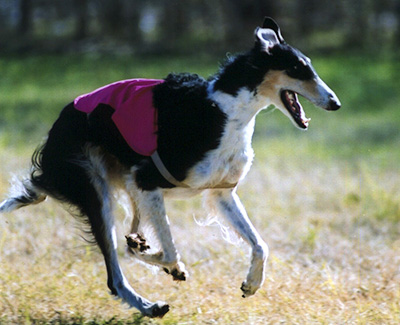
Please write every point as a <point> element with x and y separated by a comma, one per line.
<point>327,201</point>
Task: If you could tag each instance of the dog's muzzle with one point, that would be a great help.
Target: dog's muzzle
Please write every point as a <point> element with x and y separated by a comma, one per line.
<point>334,104</point>
<point>326,98</point>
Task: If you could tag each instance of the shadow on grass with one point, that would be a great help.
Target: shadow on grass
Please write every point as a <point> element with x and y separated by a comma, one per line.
<point>80,320</point>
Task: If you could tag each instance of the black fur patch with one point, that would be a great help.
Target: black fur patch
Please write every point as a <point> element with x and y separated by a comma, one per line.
<point>287,58</point>
<point>244,70</point>
<point>55,165</point>
<point>248,70</point>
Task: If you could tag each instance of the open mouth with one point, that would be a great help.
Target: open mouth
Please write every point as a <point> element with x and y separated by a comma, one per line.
<point>292,104</point>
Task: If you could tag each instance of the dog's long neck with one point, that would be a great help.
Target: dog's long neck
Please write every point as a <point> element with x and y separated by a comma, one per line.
<point>233,158</point>
<point>234,89</point>
<point>241,108</point>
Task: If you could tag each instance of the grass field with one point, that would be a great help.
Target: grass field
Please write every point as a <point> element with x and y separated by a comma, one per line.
<point>327,201</point>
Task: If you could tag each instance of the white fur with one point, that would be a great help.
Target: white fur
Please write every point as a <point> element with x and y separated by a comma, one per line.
<point>98,174</point>
<point>19,188</point>
<point>150,207</point>
<point>231,161</point>
<point>228,205</point>
<point>267,37</point>
<point>9,205</point>
<point>324,94</point>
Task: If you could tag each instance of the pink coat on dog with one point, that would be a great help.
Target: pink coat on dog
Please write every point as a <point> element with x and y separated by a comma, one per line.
<point>134,116</point>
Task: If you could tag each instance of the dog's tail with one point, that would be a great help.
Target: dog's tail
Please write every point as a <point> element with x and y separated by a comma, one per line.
<point>23,193</point>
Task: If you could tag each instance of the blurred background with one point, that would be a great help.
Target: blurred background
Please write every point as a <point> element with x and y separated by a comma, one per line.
<point>65,48</point>
<point>193,26</point>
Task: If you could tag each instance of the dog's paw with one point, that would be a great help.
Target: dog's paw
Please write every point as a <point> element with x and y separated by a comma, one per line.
<point>248,290</point>
<point>137,242</point>
<point>178,272</point>
<point>157,310</point>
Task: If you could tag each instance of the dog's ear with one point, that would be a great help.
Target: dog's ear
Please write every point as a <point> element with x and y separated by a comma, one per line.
<point>266,38</point>
<point>269,34</point>
<point>272,24</point>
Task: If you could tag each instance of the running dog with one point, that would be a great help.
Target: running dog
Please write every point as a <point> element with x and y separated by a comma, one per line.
<point>179,136</point>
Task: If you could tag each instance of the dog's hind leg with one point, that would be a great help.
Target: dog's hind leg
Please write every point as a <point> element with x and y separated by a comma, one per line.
<point>150,206</point>
<point>84,184</point>
<point>67,169</point>
<point>227,204</point>
<point>98,208</point>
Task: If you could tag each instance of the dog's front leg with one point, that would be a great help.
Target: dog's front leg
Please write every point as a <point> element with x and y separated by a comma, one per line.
<point>227,204</point>
<point>149,205</point>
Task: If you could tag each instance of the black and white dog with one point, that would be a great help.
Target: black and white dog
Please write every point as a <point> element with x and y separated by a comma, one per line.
<point>204,135</point>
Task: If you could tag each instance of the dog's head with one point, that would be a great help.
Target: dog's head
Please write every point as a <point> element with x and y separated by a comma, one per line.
<point>289,74</point>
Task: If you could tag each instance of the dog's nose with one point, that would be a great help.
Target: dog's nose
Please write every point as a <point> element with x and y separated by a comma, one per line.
<point>334,104</point>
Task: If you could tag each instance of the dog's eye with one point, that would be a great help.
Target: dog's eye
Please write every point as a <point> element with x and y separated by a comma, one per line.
<point>299,71</point>
<point>293,69</point>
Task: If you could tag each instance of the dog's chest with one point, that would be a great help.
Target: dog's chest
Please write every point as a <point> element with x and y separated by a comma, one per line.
<point>228,163</point>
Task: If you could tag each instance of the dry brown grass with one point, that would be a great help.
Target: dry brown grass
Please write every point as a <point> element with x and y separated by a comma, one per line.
<point>332,227</point>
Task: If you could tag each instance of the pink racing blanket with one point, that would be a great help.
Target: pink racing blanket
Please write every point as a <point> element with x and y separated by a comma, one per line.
<point>134,116</point>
